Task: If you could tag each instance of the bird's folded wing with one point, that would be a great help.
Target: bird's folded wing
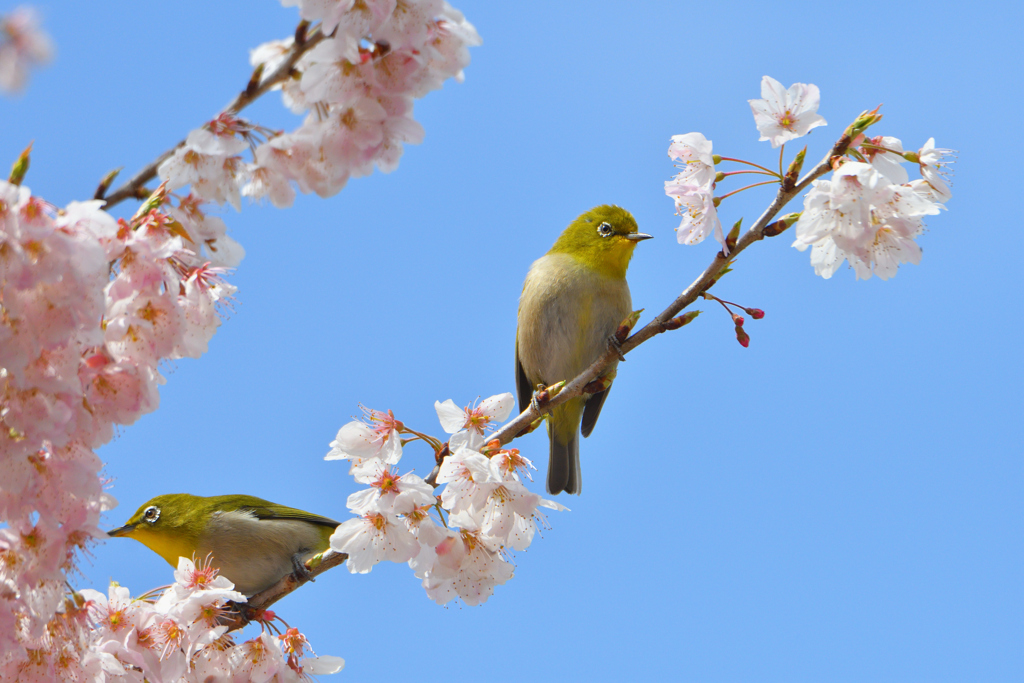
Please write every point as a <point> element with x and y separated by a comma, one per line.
<point>281,512</point>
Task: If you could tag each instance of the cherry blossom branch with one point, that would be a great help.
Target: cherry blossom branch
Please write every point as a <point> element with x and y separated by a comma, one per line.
<point>267,597</point>
<point>665,320</point>
<point>259,84</point>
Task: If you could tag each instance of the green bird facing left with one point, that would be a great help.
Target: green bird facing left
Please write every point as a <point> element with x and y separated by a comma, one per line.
<point>253,542</point>
<point>574,298</point>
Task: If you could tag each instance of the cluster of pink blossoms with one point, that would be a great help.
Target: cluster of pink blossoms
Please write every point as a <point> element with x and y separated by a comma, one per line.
<point>22,45</point>
<point>174,638</point>
<point>488,509</point>
<point>89,307</point>
<point>868,214</point>
<point>358,87</point>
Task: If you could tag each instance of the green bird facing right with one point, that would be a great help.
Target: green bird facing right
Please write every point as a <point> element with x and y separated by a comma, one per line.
<point>574,298</point>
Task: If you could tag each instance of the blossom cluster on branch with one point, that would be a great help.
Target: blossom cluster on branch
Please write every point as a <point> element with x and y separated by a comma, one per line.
<point>357,87</point>
<point>868,214</point>
<point>484,509</point>
<point>177,637</point>
<point>89,307</point>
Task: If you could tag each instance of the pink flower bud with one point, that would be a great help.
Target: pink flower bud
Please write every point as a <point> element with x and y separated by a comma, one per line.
<point>742,337</point>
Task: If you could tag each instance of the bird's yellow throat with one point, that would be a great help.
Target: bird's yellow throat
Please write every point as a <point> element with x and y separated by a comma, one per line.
<point>166,546</point>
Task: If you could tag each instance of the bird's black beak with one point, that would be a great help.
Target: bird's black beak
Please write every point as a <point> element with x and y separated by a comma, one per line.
<point>638,236</point>
<point>122,530</point>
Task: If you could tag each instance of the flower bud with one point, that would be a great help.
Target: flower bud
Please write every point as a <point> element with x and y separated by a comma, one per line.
<point>20,167</point>
<point>627,325</point>
<point>781,225</point>
<point>105,183</point>
<point>742,337</point>
<point>862,122</point>
<point>153,201</point>
<point>733,236</point>
<point>755,313</point>
<point>793,173</point>
<point>738,320</point>
<point>680,320</point>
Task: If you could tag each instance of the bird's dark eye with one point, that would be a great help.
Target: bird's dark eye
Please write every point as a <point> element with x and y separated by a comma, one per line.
<point>151,514</point>
<point>604,229</point>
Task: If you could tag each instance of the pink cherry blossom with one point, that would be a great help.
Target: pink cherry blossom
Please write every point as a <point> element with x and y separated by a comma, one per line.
<point>22,45</point>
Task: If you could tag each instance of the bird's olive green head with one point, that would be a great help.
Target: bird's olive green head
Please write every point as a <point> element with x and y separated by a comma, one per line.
<point>602,238</point>
<point>169,525</point>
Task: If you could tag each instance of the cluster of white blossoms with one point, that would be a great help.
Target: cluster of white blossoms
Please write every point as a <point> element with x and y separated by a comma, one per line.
<point>485,508</point>
<point>868,214</point>
<point>358,87</point>
<point>89,307</point>
<point>177,637</point>
<point>693,189</point>
<point>22,45</point>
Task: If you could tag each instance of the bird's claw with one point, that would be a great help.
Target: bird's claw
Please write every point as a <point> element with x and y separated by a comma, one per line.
<point>301,570</point>
<point>614,342</point>
<point>540,396</point>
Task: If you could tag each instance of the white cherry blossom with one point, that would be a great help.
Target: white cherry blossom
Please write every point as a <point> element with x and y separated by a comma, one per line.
<point>478,418</point>
<point>782,115</point>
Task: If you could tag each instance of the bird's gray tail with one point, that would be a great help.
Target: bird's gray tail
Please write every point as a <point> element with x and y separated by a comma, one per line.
<point>564,463</point>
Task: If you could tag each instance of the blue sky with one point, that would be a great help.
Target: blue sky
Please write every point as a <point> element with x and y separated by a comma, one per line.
<point>842,501</point>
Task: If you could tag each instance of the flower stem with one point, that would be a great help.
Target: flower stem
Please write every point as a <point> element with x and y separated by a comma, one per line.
<point>767,182</point>
<point>751,163</point>
<point>726,175</point>
<point>434,443</point>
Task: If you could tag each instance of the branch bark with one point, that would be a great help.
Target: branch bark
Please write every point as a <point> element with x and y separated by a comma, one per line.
<point>258,86</point>
<point>286,585</point>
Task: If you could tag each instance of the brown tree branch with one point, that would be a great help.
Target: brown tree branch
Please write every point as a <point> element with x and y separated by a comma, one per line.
<point>521,424</point>
<point>265,598</point>
<point>258,86</point>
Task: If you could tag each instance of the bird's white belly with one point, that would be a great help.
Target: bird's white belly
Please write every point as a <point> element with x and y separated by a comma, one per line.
<point>572,311</point>
<point>255,553</point>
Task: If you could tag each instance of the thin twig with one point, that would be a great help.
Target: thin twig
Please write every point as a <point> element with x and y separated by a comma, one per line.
<point>304,42</point>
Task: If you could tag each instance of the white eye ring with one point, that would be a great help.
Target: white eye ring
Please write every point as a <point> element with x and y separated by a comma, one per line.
<point>605,229</point>
<point>151,514</point>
